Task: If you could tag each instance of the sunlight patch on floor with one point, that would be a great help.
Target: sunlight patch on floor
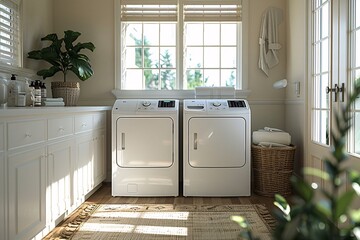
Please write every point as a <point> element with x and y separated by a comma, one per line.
<point>145,215</point>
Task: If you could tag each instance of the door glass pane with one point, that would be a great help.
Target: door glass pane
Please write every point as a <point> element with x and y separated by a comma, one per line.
<point>325,55</point>
<point>357,16</point>
<point>321,98</point>
<point>325,20</point>
<point>357,132</point>
<point>321,130</point>
<point>357,48</point>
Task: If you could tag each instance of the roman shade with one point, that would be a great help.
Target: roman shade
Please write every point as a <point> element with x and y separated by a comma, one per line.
<point>212,10</point>
<point>142,11</point>
<point>192,10</point>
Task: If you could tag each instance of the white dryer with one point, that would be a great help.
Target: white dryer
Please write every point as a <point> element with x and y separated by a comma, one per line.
<point>145,148</point>
<point>217,147</point>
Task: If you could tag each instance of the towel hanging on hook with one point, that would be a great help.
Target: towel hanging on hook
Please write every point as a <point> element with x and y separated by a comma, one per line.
<point>269,39</point>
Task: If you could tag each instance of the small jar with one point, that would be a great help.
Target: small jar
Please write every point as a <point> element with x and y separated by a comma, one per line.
<point>21,99</point>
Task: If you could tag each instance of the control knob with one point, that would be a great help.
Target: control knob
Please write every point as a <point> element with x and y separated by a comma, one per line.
<point>146,104</point>
<point>216,104</point>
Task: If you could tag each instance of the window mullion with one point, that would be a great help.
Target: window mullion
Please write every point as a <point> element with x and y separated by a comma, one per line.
<point>180,49</point>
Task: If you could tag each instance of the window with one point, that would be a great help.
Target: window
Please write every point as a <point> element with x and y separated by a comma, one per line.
<point>9,33</point>
<point>179,44</point>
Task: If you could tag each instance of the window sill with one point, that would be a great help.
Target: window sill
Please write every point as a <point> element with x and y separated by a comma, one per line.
<point>6,70</point>
<point>163,94</point>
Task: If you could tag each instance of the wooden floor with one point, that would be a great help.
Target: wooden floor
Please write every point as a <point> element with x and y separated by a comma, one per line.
<point>103,196</point>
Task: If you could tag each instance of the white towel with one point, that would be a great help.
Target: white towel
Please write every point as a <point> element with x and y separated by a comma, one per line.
<point>53,104</point>
<point>268,40</point>
<point>54,99</point>
<point>271,137</point>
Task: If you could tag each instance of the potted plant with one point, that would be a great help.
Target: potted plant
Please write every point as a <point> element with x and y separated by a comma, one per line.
<point>64,56</point>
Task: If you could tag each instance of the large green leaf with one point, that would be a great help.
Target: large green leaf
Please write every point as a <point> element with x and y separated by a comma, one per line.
<point>69,38</point>
<point>302,188</point>
<point>88,45</point>
<point>344,202</point>
<point>82,69</point>
<point>50,37</point>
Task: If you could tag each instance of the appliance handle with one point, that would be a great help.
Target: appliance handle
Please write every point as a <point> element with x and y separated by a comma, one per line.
<point>195,141</point>
<point>122,141</point>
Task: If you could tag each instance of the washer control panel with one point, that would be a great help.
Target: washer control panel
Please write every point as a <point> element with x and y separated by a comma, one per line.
<point>145,105</point>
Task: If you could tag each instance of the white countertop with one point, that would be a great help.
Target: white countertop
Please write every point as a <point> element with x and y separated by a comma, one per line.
<point>21,111</point>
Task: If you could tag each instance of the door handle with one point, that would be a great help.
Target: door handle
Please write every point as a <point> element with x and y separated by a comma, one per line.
<point>342,91</point>
<point>335,90</point>
<point>195,141</point>
<point>122,141</point>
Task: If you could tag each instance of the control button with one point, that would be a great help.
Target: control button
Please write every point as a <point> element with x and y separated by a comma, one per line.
<point>146,104</point>
<point>216,104</point>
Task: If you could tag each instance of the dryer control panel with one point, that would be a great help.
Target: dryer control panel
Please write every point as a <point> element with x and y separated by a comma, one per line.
<point>215,105</point>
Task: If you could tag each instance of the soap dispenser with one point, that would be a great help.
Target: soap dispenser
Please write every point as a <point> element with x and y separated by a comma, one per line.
<point>13,91</point>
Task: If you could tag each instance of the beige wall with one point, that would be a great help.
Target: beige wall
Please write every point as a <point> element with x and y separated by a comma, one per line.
<point>37,22</point>
<point>295,112</point>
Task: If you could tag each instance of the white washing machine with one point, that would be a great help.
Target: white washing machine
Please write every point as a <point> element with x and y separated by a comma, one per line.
<point>145,148</point>
<point>217,148</point>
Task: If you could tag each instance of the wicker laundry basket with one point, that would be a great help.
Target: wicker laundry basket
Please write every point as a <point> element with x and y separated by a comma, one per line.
<point>272,168</point>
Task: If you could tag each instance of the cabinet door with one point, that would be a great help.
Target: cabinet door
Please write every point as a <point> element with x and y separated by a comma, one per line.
<point>27,189</point>
<point>2,196</point>
<point>60,161</point>
<point>84,166</point>
<point>99,159</point>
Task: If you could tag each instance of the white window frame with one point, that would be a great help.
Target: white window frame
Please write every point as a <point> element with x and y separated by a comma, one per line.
<point>243,92</point>
<point>6,69</point>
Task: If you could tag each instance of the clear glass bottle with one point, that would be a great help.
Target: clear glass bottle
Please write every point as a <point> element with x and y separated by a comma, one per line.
<point>13,91</point>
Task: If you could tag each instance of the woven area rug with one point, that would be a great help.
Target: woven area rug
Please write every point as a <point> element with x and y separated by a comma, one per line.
<point>166,221</point>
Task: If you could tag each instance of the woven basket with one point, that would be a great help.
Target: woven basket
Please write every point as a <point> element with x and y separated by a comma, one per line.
<point>69,91</point>
<point>272,168</point>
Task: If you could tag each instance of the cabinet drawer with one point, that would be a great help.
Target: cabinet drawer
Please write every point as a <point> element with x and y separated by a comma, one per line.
<point>2,137</point>
<point>83,123</point>
<point>26,133</point>
<point>99,120</point>
<point>60,127</point>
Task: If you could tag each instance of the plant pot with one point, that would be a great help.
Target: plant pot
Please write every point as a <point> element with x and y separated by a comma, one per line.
<point>69,91</point>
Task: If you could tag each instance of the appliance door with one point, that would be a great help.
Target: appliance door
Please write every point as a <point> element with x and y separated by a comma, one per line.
<point>217,142</point>
<point>145,142</point>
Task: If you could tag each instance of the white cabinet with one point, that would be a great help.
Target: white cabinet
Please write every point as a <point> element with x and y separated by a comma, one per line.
<point>59,167</point>
<point>90,166</point>
<point>23,133</point>
<point>27,193</point>
<point>99,170</point>
<point>83,167</point>
<point>49,161</point>
<point>2,182</point>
